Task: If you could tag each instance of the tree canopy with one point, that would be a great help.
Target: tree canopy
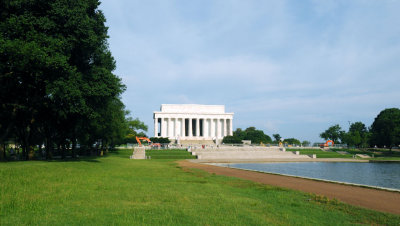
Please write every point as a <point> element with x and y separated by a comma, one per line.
<point>333,133</point>
<point>135,128</point>
<point>292,141</point>
<point>56,80</point>
<point>357,135</point>
<point>251,133</point>
<point>277,137</point>
<point>385,130</point>
<point>231,140</point>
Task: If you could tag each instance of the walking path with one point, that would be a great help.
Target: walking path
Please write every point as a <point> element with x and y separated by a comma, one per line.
<point>380,200</point>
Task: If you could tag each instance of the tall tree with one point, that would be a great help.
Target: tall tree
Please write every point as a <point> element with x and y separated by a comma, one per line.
<point>357,136</point>
<point>333,133</point>
<point>56,72</point>
<point>256,136</point>
<point>292,141</point>
<point>277,137</point>
<point>251,133</point>
<point>385,130</point>
<point>135,127</point>
<point>305,143</point>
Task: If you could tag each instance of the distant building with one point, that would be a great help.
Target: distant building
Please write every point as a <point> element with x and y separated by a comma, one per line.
<point>192,122</point>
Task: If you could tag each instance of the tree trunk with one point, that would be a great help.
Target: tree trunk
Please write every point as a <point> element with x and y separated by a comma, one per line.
<point>73,148</point>
<point>40,150</point>
<point>62,149</point>
<point>48,148</point>
<point>4,153</point>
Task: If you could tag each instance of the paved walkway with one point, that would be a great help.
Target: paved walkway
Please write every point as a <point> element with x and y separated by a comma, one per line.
<point>380,200</point>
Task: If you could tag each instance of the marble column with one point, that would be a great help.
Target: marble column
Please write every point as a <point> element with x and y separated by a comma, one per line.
<point>212,122</point>
<point>230,128</point>
<point>169,128</point>
<point>225,127</point>
<point>197,127</point>
<point>163,128</point>
<point>190,128</point>
<point>218,135</point>
<point>176,128</point>
<point>155,127</point>
<point>205,128</point>
<point>183,127</point>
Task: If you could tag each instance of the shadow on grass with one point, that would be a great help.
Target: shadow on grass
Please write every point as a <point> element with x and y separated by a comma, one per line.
<point>82,158</point>
<point>121,153</point>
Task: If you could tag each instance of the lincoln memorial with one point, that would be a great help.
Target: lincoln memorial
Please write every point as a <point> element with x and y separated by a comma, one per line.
<point>192,122</point>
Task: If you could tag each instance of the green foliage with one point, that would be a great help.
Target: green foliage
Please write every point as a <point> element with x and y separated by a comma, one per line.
<point>134,128</point>
<point>116,190</point>
<point>357,136</point>
<point>56,80</point>
<point>277,137</point>
<point>251,133</point>
<point>333,133</point>
<point>161,140</point>
<point>306,143</point>
<point>292,141</point>
<point>385,130</point>
<point>231,140</point>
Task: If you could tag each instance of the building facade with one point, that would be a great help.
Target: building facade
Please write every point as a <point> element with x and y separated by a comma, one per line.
<point>192,122</point>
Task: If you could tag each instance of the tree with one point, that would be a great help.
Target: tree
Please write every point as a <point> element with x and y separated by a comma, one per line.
<point>333,133</point>
<point>357,136</point>
<point>231,140</point>
<point>56,80</point>
<point>256,136</point>
<point>251,133</point>
<point>277,137</point>
<point>292,141</point>
<point>385,130</point>
<point>161,140</point>
<point>306,143</point>
<point>239,133</point>
<point>135,128</point>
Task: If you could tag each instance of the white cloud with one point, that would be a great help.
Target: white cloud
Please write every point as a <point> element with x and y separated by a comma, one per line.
<point>279,66</point>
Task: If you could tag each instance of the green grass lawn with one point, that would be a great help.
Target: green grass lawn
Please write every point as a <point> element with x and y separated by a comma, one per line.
<point>321,154</point>
<point>332,153</point>
<point>117,190</point>
<point>170,154</point>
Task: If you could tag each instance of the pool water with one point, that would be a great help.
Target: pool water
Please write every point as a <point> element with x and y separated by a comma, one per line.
<point>386,175</point>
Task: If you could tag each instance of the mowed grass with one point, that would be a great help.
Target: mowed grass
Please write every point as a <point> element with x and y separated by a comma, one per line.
<point>383,154</point>
<point>117,190</point>
<point>169,154</point>
<point>322,154</point>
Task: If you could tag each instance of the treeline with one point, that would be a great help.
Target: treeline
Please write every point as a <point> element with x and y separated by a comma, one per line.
<point>57,89</point>
<point>384,131</point>
<point>251,133</point>
<point>259,137</point>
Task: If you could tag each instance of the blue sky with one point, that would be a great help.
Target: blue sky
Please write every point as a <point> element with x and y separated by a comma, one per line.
<point>289,67</point>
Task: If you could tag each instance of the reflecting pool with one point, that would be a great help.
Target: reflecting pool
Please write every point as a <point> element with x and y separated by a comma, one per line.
<point>386,175</point>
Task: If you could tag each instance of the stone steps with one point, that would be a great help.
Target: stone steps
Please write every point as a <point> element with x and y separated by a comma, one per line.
<point>197,142</point>
<point>244,154</point>
<point>138,153</point>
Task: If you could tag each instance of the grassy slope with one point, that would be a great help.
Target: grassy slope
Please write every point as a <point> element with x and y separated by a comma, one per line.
<point>381,155</point>
<point>170,154</point>
<point>117,190</point>
<point>320,153</point>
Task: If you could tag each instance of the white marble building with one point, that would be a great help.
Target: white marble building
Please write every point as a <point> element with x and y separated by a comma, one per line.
<point>192,122</point>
